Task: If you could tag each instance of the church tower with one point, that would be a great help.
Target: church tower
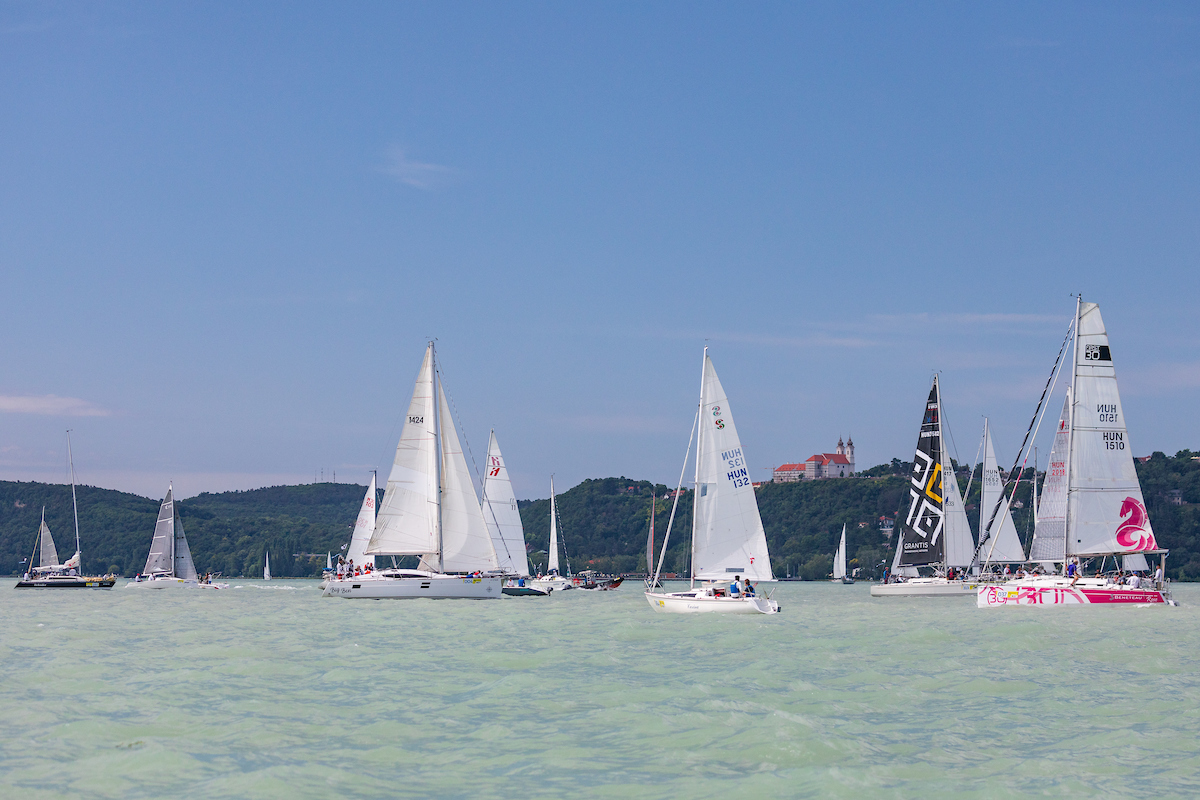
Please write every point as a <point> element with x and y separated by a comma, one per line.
<point>841,447</point>
<point>850,452</point>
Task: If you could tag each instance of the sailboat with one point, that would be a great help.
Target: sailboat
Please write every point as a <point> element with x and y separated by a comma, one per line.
<point>552,580</point>
<point>839,561</point>
<point>935,533</point>
<point>429,509</point>
<point>1092,504</point>
<point>49,574</point>
<point>364,529</point>
<point>503,520</point>
<point>267,567</point>
<point>169,564</point>
<point>999,543</point>
<point>728,541</point>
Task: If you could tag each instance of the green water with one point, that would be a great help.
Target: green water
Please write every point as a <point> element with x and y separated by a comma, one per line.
<point>271,691</point>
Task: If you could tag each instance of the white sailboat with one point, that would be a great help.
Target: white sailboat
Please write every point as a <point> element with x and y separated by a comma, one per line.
<point>364,529</point>
<point>1092,504</point>
<point>935,533</point>
<point>999,542</point>
<point>48,573</point>
<point>429,509</point>
<point>267,567</point>
<point>839,561</point>
<point>503,520</point>
<point>728,541</point>
<point>169,564</point>
<point>552,581</point>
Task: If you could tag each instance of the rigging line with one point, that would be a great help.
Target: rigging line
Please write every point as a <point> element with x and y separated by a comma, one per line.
<point>975,463</point>
<point>1034,425</point>
<point>678,490</point>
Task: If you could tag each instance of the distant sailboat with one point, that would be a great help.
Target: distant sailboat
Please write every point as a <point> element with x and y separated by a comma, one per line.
<point>935,533</point>
<point>169,564</point>
<point>429,509</point>
<point>728,541</point>
<point>48,573</point>
<point>267,567</point>
<point>503,520</point>
<point>1091,504</point>
<point>839,561</point>
<point>552,580</point>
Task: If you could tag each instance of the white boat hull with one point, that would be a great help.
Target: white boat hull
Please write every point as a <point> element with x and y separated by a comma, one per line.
<point>551,584</point>
<point>700,602</point>
<point>1059,591</point>
<point>926,587</point>
<point>173,583</point>
<point>411,586</point>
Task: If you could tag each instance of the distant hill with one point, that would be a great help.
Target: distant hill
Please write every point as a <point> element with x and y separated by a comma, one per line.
<point>604,522</point>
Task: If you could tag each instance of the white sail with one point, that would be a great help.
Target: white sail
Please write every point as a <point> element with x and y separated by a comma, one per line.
<point>407,522</point>
<point>960,544</point>
<point>328,560</point>
<point>162,546</point>
<point>1050,531</point>
<point>839,560</point>
<point>184,568</point>
<point>364,527</point>
<point>1134,562</point>
<point>727,532</point>
<point>1106,512</point>
<point>501,514</point>
<point>48,552</point>
<point>267,566</point>
<point>552,559</point>
<point>1003,545</point>
<point>466,544</point>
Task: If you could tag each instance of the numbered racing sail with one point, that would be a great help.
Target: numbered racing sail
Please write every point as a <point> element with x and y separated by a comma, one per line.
<point>501,514</point>
<point>1106,512</point>
<point>1003,545</point>
<point>727,532</point>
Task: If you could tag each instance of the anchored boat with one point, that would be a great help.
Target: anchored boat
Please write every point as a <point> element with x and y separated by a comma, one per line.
<point>728,542</point>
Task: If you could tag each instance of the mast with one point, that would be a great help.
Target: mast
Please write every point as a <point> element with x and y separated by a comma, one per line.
<point>1071,429</point>
<point>437,455</point>
<point>74,504</point>
<point>696,479</point>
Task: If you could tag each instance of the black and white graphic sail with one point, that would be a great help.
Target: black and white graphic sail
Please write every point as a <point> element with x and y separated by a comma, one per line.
<point>922,529</point>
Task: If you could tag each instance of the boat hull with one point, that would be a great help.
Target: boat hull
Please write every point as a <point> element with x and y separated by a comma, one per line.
<point>443,587</point>
<point>926,587</point>
<point>66,583</point>
<point>525,591</point>
<point>551,584</point>
<point>1062,593</point>
<point>696,603</point>
<point>173,583</point>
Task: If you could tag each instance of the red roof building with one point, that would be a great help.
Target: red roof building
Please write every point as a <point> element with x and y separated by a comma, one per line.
<point>838,464</point>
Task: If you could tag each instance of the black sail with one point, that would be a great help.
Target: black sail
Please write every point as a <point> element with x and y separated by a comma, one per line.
<point>922,529</point>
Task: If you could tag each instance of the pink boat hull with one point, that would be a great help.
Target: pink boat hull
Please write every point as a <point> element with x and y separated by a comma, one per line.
<point>1045,594</point>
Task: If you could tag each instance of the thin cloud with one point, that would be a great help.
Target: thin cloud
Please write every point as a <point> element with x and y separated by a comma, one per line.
<point>418,174</point>
<point>51,406</point>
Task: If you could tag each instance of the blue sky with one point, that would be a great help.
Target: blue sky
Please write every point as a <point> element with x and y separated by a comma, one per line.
<point>226,230</point>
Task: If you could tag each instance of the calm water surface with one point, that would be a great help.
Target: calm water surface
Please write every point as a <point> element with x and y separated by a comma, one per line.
<point>271,691</point>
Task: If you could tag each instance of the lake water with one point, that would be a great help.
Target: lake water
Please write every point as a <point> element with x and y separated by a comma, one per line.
<point>268,690</point>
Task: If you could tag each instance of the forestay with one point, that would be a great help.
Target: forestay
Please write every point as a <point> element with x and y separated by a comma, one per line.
<point>364,527</point>
<point>728,537</point>
<point>162,545</point>
<point>1003,544</point>
<point>1106,510</point>
<point>407,523</point>
<point>501,514</point>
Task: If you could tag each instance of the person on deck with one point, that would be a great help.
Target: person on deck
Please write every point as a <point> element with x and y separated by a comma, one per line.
<point>747,589</point>
<point>734,589</point>
<point>1072,572</point>
<point>1158,576</point>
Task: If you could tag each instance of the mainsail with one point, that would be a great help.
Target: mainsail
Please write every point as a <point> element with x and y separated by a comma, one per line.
<point>408,515</point>
<point>364,526</point>
<point>1106,512</point>
<point>727,532</point>
<point>921,531</point>
<point>501,514</point>
<point>552,558</point>
<point>1002,545</point>
<point>184,568</point>
<point>162,546</point>
<point>839,559</point>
